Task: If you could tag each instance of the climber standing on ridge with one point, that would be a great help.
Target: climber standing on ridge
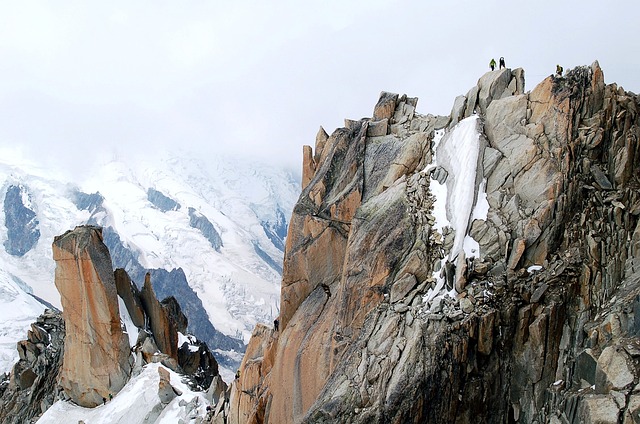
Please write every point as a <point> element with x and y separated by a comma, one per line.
<point>559,70</point>
<point>492,64</point>
<point>502,65</point>
<point>276,324</point>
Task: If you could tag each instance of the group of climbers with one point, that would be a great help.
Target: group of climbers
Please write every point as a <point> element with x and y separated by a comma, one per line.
<point>492,66</point>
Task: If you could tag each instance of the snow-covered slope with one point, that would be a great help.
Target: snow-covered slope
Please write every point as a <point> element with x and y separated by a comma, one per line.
<point>17,311</point>
<point>134,403</point>
<point>244,203</point>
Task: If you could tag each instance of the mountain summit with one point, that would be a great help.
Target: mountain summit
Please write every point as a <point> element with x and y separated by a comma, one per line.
<point>477,267</point>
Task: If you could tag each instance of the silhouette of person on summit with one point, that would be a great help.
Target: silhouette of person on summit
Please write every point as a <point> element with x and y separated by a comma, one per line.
<point>276,324</point>
<point>502,65</point>
<point>492,64</point>
<point>559,70</point>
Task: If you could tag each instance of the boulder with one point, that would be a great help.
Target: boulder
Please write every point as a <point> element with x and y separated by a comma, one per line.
<point>585,367</point>
<point>217,390</point>
<point>492,86</point>
<point>613,371</point>
<point>598,409</point>
<point>385,107</point>
<point>166,392</point>
<point>378,128</point>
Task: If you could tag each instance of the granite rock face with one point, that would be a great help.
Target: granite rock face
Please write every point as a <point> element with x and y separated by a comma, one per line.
<point>84,277</point>
<point>383,319</point>
<point>163,326</point>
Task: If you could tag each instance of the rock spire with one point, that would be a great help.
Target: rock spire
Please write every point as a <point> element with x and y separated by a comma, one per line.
<point>97,356</point>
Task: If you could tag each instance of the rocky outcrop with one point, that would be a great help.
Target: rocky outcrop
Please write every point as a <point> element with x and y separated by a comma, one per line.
<point>196,360</point>
<point>173,283</point>
<point>30,388</point>
<point>163,325</point>
<point>390,312</point>
<point>130,295</point>
<point>20,220</point>
<point>162,202</point>
<point>166,392</point>
<point>202,223</point>
<point>84,277</point>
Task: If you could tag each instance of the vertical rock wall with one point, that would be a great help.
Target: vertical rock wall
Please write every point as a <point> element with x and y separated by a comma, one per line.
<point>96,351</point>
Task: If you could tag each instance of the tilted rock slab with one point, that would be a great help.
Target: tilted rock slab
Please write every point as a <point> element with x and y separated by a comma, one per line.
<point>97,357</point>
<point>163,325</point>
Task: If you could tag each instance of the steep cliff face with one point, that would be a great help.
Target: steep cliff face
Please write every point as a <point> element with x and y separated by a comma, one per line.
<point>85,279</point>
<point>480,267</point>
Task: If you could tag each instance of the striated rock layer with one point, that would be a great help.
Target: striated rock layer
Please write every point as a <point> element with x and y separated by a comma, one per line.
<point>96,351</point>
<point>388,316</point>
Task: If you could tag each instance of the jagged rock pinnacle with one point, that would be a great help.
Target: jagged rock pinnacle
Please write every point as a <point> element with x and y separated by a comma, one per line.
<point>96,352</point>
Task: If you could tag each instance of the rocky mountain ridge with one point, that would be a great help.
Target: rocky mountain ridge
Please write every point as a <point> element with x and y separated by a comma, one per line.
<point>476,267</point>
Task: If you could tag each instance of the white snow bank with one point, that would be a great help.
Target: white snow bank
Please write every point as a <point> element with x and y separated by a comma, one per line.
<point>461,198</point>
<point>134,402</point>
<point>458,154</point>
<point>189,340</point>
<point>129,326</point>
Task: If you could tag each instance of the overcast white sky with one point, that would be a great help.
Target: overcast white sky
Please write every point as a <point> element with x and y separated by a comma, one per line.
<point>82,78</point>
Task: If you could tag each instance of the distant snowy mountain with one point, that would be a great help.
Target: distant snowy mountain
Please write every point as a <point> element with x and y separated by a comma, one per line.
<point>210,230</point>
<point>17,311</point>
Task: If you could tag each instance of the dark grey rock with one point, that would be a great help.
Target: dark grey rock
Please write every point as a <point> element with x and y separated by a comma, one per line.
<point>21,222</point>
<point>161,201</point>
<point>200,222</point>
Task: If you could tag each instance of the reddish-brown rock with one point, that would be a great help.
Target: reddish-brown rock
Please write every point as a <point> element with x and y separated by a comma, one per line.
<point>162,325</point>
<point>96,352</point>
